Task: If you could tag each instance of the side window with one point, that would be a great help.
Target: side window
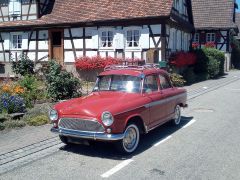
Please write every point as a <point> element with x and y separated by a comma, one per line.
<point>150,84</point>
<point>164,82</point>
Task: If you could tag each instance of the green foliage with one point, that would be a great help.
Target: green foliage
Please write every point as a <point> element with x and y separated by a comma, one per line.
<point>38,120</point>
<point>202,76</point>
<point>13,124</point>
<point>213,67</point>
<point>218,56</point>
<point>23,66</point>
<point>38,110</point>
<point>61,84</point>
<point>34,89</point>
<point>210,63</point>
<point>236,58</point>
<point>177,80</point>
<point>189,76</point>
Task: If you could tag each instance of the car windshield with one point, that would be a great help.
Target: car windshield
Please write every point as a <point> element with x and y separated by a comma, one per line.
<point>124,83</point>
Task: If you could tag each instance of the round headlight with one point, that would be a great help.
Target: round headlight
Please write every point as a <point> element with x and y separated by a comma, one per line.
<point>53,115</point>
<point>107,118</point>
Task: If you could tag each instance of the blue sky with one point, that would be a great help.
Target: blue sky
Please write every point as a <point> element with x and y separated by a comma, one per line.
<point>238,1</point>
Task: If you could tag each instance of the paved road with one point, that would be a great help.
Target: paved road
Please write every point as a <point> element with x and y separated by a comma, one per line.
<point>206,146</point>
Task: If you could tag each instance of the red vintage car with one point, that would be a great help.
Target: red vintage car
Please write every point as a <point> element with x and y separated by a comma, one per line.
<point>125,102</point>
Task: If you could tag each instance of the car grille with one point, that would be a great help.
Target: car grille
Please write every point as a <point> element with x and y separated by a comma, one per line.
<point>80,125</point>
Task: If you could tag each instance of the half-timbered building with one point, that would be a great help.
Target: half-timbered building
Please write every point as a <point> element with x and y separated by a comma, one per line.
<point>214,23</point>
<point>67,29</point>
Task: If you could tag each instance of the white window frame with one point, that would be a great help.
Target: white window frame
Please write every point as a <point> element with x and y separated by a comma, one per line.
<point>16,11</point>
<point>125,33</point>
<point>100,38</point>
<point>210,37</point>
<point>196,37</point>
<point>12,43</point>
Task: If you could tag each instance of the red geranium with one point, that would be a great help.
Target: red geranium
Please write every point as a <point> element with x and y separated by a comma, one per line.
<point>181,59</point>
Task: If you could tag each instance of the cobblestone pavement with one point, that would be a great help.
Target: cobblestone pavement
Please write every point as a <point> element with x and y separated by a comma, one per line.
<point>21,146</point>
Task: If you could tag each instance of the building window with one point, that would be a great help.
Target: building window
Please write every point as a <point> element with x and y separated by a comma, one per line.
<point>14,7</point>
<point>107,39</point>
<point>133,38</point>
<point>17,41</point>
<point>196,38</point>
<point>210,37</point>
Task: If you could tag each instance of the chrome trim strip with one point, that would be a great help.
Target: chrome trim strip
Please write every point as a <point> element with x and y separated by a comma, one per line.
<point>162,101</point>
<point>87,135</point>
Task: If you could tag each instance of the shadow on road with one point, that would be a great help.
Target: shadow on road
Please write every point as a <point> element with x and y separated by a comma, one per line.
<point>108,151</point>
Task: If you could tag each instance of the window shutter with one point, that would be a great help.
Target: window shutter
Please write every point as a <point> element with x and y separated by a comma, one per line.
<point>118,40</point>
<point>5,37</point>
<point>25,41</point>
<point>95,39</point>
<point>144,39</point>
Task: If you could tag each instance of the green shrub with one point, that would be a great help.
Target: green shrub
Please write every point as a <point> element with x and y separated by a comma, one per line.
<point>235,58</point>
<point>210,61</point>
<point>38,120</point>
<point>14,124</point>
<point>177,80</point>
<point>218,56</point>
<point>213,67</point>
<point>33,89</point>
<point>23,66</point>
<point>202,62</point>
<point>202,77</point>
<point>189,76</point>
<point>61,84</point>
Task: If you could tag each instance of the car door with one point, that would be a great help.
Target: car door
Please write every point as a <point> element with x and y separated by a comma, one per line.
<point>151,89</point>
<point>169,93</point>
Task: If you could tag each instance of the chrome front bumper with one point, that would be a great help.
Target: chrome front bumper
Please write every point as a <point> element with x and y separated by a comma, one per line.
<point>87,135</point>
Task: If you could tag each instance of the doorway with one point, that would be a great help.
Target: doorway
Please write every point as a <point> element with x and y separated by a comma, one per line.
<point>56,45</point>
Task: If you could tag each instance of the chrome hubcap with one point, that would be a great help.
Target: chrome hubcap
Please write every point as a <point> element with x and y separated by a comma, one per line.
<point>130,138</point>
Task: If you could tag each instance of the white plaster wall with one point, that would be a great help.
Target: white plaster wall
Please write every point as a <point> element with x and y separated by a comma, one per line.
<point>137,55</point>
<point>42,54</point>
<point>78,43</point>
<point>67,44</point>
<point>111,53</point>
<point>102,53</point>
<point>91,53</point>
<point>128,54</point>
<point>32,45</point>
<point>31,56</point>
<point>79,53</point>
<point>88,43</point>
<point>69,56</point>
<point>88,30</point>
<point>43,45</point>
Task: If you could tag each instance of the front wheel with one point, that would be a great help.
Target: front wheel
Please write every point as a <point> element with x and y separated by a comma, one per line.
<point>177,116</point>
<point>130,141</point>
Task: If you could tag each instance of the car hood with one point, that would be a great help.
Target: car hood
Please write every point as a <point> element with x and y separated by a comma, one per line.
<point>97,102</point>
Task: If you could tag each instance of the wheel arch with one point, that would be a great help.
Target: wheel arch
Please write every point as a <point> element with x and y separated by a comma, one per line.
<point>138,120</point>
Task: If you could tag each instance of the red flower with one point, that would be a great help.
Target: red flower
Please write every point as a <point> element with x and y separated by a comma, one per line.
<point>181,59</point>
<point>210,45</point>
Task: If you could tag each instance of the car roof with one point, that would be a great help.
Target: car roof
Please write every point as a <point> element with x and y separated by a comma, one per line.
<point>132,70</point>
